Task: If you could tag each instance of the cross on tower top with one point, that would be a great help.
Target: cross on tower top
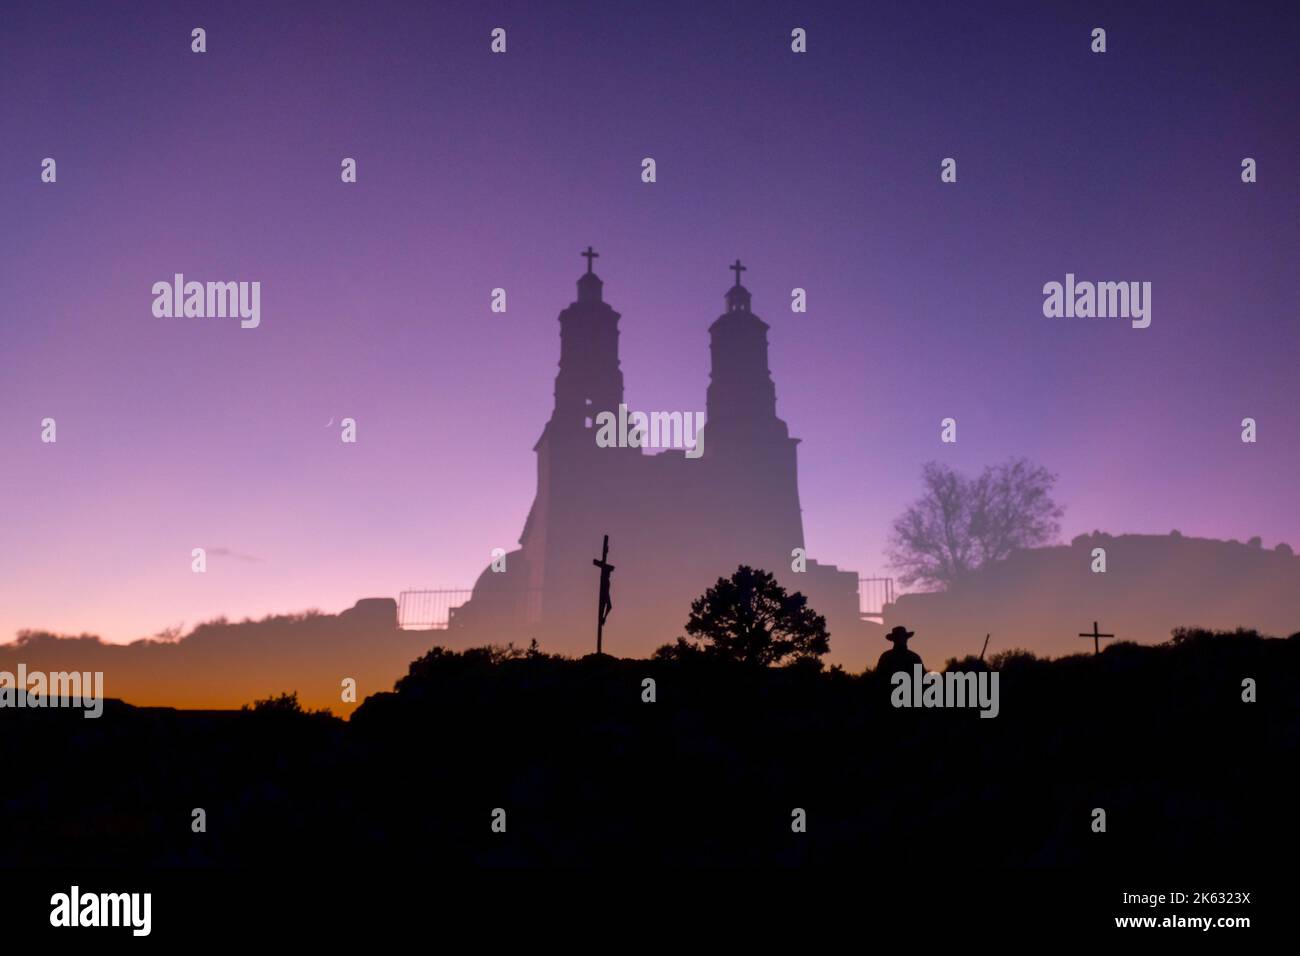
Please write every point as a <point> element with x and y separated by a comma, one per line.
<point>589,255</point>
<point>737,269</point>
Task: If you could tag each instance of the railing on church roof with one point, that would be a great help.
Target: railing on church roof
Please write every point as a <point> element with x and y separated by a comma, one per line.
<point>873,595</point>
<point>429,610</point>
<point>435,609</point>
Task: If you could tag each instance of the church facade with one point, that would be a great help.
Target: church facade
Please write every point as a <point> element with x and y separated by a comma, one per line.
<point>676,522</point>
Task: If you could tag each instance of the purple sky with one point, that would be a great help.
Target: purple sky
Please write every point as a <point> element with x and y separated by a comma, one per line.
<point>477,171</point>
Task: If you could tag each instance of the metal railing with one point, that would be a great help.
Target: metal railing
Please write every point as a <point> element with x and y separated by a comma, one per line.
<point>429,610</point>
<point>873,595</point>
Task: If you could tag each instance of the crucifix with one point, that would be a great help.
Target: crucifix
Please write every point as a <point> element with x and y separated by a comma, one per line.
<point>1096,638</point>
<point>589,255</point>
<point>606,569</point>
<point>737,269</point>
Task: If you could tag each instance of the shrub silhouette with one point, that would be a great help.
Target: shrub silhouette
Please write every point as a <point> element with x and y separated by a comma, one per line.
<point>595,771</point>
<point>284,705</point>
<point>749,618</point>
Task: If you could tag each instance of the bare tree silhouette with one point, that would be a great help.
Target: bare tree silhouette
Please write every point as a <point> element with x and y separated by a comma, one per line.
<point>960,524</point>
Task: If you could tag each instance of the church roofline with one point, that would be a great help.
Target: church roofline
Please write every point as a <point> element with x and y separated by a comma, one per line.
<point>733,318</point>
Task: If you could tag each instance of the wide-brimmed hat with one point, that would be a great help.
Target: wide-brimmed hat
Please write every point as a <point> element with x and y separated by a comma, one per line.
<point>899,633</point>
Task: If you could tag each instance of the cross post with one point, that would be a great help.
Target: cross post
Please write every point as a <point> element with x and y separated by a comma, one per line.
<point>1096,638</point>
<point>589,255</point>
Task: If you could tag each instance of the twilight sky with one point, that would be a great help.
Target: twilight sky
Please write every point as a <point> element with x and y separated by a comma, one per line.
<point>478,170</point>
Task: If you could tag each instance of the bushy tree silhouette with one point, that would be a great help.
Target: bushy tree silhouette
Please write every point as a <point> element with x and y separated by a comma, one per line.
<point>751,619</point>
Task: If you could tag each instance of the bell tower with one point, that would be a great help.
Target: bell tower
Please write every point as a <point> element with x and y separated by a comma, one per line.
<point>578,482</point>
<point>590,379</point>
<point>754,456</point>
<point>741,398</point>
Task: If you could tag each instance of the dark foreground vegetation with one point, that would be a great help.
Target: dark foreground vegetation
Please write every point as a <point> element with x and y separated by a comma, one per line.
<point>587,772</point>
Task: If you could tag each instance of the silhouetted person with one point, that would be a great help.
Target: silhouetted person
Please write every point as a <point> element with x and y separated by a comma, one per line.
<point>899,658</point>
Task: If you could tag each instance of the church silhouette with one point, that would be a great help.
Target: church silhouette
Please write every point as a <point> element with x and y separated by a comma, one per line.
<point>675,523</point>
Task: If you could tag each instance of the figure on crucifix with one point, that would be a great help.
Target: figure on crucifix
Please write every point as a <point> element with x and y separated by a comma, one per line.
<point>606,605</point>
